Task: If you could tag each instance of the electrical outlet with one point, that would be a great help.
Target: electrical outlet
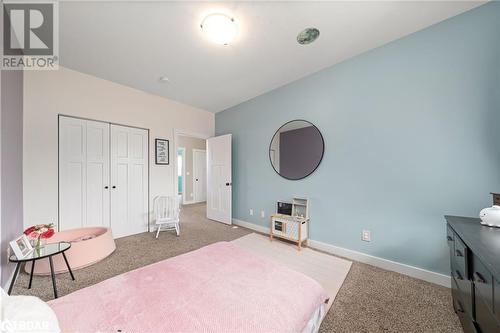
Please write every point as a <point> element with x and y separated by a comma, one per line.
<point>251,212</point>
<point>366,236</point>
<point>262,214</point>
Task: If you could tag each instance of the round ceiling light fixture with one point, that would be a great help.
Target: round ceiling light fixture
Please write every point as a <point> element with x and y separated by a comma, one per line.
<point>219,28</point>
<point>307,36</point>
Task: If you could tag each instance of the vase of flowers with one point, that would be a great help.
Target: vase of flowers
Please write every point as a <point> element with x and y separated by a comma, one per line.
<point>39,233</point>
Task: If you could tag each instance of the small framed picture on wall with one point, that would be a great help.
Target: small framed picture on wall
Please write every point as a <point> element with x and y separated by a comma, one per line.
<point>161,152</point>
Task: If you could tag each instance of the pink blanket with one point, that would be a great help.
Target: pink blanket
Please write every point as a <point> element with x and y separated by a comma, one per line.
<point>218,288</point>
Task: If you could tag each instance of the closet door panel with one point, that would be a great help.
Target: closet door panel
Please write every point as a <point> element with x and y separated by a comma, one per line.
<point>129,174</point>
<point>119,180</point>
<point>121,143</point>
<point>72,173</point>
<point>137,146</point>
<point>139,179</point>
<point>73,201</point>
<point>119,200</point>
<point>98,192</point>
<point>137,193</point>
<point>103,176</point>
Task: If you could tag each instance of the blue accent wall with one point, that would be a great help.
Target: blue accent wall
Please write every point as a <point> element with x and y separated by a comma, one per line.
<point>412,132</point>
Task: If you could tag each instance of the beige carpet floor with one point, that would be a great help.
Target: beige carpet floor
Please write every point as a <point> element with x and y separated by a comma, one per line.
<point>370,300</point>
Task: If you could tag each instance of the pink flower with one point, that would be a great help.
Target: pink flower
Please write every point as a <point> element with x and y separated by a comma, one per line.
<point>29,230</point>
<point>40,230</point>
<point>47,234</point>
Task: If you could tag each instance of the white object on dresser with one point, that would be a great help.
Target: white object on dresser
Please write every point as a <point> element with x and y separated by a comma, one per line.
<point>490,216</point>
<point>294,228</point>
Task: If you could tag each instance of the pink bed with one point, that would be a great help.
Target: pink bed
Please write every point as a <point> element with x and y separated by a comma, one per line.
<point>218,288</point>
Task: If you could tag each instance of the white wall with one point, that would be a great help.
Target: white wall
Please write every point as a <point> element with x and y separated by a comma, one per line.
<point>11,140</point>
<point>49,93</point>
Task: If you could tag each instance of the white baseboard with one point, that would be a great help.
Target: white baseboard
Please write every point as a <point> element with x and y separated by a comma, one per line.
<point>419,273</point>
<point>248,225</point>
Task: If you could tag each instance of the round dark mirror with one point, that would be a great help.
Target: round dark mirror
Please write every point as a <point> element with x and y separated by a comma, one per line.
<point>296,149</point>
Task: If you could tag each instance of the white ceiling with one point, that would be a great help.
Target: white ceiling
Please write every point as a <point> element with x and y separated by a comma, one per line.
<point>134,43</point>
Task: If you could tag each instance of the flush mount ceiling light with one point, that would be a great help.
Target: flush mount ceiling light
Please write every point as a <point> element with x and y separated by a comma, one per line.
<point>164,79</point>
<point>219,28</point>
<point>307,36</point>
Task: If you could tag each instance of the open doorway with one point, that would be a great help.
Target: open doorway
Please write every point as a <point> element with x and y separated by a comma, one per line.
<point>191,169</point>
<point>181,162</point>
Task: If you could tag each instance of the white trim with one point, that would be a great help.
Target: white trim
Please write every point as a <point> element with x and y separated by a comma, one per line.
<point>183,173</point>
<point>252,226</point>
<point>416,272</point>
<point>176,133</point>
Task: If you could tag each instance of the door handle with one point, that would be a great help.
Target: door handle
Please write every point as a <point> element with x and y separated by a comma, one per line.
<point>228,184</point>
<point>113,186</point>
<point>196,179</point>
<point>106,187</point>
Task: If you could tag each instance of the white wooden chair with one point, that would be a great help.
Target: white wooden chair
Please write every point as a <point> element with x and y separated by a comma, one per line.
<point>166,211</point>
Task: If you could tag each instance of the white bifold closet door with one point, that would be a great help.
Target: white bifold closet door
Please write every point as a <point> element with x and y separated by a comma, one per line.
<point>83,173</point>
<point>129,180</point>
<point>103,176</point>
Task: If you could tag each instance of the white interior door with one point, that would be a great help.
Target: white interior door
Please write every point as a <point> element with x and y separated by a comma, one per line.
<point>97,146</point>
<point>83,173</point>
<point>72,175</point>
<point>219,180</point>
<point>200,175</point>
<point>129,180</point>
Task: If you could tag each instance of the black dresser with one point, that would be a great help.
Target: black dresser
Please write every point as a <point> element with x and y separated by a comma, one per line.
<point>475,272</point>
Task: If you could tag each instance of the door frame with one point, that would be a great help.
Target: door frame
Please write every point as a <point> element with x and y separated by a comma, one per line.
<point>59,115</point>
<point>194,193</point>
<point>183,172</point>
<point>181,132</point>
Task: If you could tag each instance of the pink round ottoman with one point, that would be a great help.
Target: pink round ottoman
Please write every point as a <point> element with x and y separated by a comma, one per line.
<point>88,246</point>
